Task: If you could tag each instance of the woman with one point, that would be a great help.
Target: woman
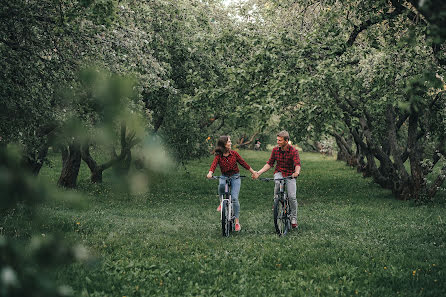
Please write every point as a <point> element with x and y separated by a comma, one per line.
<point>227,159</point>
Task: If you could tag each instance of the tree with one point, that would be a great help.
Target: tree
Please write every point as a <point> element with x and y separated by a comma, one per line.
<point>45,44</point>
<point>354,71</point>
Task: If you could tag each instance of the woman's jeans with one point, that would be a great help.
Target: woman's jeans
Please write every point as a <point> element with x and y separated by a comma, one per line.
<point>291,189</point>
<point>235,190</point>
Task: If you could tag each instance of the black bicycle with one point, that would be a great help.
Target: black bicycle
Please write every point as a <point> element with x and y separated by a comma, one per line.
<point>227,211</point>
<point>282,209</point>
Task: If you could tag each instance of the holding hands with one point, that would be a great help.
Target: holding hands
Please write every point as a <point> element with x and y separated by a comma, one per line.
<point>255,175</point>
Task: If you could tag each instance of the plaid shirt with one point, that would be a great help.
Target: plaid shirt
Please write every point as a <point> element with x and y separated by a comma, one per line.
<point>287,160</point>
<point>228,165</point>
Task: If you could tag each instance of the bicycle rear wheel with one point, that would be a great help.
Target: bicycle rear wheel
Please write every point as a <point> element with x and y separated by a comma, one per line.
<point>225,218</point>
<point>281,216</point>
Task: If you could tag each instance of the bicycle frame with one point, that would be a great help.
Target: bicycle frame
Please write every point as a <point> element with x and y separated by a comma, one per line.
<point>281,202</point>
<point>227,197</point>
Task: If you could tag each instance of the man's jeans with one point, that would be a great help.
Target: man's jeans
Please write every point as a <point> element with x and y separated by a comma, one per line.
<point>235,190</point>
<point>291,188</point>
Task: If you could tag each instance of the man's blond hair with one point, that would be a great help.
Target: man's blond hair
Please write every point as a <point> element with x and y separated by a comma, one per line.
<point>284,134</point>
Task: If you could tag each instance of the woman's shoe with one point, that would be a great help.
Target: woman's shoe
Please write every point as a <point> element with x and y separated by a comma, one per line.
<point>237,227</point>
<point>219,208</point>
<point>293,223</point>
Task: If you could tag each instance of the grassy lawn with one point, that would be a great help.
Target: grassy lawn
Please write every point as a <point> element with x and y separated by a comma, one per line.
<point>354,238</point>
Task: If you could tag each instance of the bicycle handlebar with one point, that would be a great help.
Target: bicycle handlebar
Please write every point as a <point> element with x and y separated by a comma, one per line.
<point>276,179</point>
<point>225,177</point>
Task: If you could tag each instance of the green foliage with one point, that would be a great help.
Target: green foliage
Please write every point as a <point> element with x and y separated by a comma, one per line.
<point>44,45</point>
<point>211,93</point>
<point>29,257</point>
<point>101,99</point>
<point>192,72</point>
<point>335,68</point>
<point>202,70</point>
<point>15,185</point>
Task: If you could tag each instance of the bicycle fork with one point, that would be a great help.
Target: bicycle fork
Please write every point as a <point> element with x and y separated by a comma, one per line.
<point>229,202</point>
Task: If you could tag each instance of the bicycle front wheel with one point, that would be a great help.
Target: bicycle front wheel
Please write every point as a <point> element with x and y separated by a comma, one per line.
<point>225,218</point>
<point>281,216</point>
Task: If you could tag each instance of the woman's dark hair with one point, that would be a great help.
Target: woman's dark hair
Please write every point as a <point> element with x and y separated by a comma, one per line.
<point>220,149</point>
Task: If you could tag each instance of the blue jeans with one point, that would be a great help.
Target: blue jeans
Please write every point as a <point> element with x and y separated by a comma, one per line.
<point>235,190</point>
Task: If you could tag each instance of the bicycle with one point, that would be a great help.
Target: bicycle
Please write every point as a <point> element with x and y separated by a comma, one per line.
<point>281,209</point>
<point>227,213</point>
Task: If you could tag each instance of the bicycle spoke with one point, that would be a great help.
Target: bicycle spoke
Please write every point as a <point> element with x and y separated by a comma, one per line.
<point>281,216</point>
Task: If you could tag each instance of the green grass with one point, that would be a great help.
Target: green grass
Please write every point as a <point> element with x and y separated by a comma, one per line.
<point>354,238</point>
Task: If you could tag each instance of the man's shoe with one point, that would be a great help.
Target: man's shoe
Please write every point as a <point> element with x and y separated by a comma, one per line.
<point>237,227</point>
<point>294,223</point>
<point>219,208</point>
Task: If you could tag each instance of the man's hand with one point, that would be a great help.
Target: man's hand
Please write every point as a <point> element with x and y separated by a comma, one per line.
<point>255,175</point>
<point>209,176</point>
<point>295,174</point>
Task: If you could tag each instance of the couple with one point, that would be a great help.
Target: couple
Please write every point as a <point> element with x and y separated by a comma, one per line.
<point>287,164</point>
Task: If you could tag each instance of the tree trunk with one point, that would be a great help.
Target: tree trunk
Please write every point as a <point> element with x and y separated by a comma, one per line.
<point>358,161</point>
<point>342,151</point>
<point>345,152</point>
<point>361,150</point>
<point>417,180</point>
<point>370,150</point>
<point>71,161</point>
<point>34,160</point>
<point>437,183</point>
<point>121,164</point>
<point>96,176</point>
<point>122,167</point>
<point>242,143</point>
<point>95,169</point>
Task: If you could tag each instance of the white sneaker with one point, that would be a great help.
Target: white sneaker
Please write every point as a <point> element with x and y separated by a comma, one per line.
<point>294,223</point>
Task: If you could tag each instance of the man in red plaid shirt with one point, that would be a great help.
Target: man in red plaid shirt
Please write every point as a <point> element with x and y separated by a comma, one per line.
<point>287,162</point>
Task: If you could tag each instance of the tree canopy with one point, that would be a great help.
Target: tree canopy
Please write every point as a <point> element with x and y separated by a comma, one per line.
<point>368,74</point>
<point>117,84</point>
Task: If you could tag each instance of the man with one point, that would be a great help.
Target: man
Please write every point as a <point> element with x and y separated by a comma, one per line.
<point>288,164</point>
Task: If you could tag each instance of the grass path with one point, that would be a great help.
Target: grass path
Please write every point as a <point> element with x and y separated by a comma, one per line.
<point>354,238</point>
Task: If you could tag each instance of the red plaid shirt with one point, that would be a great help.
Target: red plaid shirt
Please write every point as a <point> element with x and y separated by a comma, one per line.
<point>228,165</point>
<point>287,160</point>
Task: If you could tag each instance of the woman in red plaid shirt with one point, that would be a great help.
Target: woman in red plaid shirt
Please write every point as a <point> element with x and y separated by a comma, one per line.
<point>287,162</point>
<point>227,159</point>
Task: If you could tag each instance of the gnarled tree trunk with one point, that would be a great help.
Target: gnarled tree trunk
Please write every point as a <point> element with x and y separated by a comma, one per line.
<point>122,160</point>
<point>345,151</point>
<point>71,161</point>
<point>95,169</point>
<point>35,156</point>
<point>34,160</point>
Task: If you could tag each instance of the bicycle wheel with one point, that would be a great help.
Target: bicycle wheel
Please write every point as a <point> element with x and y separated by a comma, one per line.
<point>231,223</point>
<point>281,216</point>
<point>225,218</point>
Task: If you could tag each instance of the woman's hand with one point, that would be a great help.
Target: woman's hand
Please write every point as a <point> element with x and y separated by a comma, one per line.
<point>209,176</point>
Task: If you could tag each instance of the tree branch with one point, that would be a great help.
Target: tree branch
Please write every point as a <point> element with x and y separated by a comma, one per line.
<point>365,25</point>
